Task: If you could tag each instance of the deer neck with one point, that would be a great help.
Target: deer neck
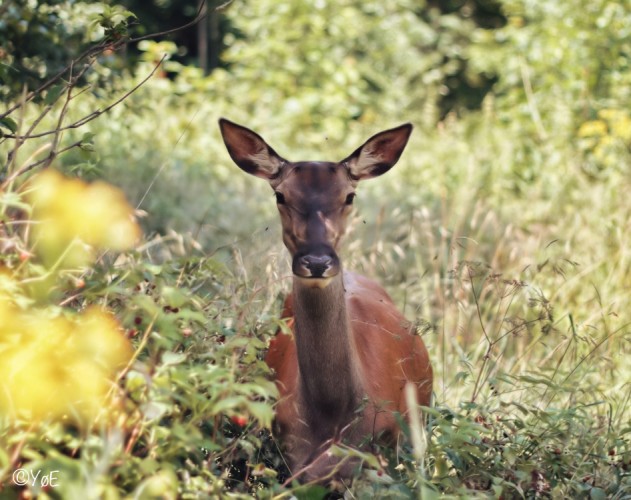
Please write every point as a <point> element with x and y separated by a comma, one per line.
<point>328,374</point>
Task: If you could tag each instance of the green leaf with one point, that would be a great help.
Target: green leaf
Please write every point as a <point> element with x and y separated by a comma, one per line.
<point>9,123</point>
<point>53,93</point>
<point>173,358</point>
<point>311,492</point>
<point>229,404</point>
<point>461,376</point>
<point>174,296</point>
<point>263,412</point>
<point>12,199</point>
<point>87,137</point>
<point>597,494</point>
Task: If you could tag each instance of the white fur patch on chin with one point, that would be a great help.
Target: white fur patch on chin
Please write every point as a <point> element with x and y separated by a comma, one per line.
<point>314,282</point>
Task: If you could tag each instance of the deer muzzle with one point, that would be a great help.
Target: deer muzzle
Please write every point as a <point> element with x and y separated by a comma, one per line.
<point>318,263</point>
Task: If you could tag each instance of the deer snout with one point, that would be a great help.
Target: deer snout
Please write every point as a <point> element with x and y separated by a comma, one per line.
<point>316,265</point>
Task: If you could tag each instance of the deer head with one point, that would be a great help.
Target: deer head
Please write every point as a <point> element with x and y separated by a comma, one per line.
<point>314,198</point>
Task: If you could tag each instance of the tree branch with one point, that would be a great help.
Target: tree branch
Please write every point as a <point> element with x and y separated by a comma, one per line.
<point>94,114</point>
<point>86,119</point>
<point>90,53</point>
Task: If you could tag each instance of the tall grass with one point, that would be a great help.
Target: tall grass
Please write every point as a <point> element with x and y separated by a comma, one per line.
<point>521,290</point>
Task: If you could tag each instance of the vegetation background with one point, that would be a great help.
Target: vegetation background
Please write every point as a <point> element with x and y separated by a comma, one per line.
<point>131,368</point>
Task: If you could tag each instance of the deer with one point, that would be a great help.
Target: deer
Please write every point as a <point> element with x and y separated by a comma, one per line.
<point>342,369</point>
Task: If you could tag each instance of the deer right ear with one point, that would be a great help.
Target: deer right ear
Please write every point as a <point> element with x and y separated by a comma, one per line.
<point>249,151</point>
<point>379,153</point>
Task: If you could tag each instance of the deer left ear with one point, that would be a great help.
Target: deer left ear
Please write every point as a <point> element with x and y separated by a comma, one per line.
<point>250,151</point>
<point>379,153</point>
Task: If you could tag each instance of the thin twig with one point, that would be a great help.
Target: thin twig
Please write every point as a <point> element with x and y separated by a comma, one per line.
<point>530,99</point>
<point>62,114</point>
<point>91,52</point>
<point>48,159</point>
<point>198,17</point>
<point>155,177</point>
<point>106,44</point>
<point>95,114</point>
<point>477,305</point>
<point>36,121</point>
<point>487,355</point>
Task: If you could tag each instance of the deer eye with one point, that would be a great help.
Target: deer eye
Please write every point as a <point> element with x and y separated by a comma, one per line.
<point>280,198</point>
<point>349,198</point>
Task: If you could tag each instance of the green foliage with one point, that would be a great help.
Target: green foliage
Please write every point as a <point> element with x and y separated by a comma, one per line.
<point>333,62</point>
<point>38,39</point>
<point>191,405</point>
<point>555,65</point>
<point>503,232</point>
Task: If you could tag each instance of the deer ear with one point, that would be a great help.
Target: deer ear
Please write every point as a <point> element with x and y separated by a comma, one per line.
<point>249,151</point>
<point>379,153</point>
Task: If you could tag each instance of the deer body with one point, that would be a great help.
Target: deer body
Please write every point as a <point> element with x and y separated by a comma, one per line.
<point>342,373</point>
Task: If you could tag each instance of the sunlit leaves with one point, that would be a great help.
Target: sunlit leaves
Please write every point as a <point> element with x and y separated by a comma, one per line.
<point>57,366</point>
<point>335,62</point>
<point>38,39</point>
<point>73,218</point>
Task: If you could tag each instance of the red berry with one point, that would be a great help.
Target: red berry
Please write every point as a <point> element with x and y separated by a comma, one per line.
<point>239,420</point>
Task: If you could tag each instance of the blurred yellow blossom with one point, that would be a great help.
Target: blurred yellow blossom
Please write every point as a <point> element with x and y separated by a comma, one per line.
<point>54,366</point>
<point>619,122</point>
<point>607,137</point>
<point>72,218</point>
<point>593,128</point>
<point>615,123</point>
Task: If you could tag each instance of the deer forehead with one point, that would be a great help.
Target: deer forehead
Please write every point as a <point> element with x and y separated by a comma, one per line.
<point>315,181</point>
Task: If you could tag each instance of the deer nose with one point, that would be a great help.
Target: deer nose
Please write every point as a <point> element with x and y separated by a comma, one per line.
<point>316,264</point>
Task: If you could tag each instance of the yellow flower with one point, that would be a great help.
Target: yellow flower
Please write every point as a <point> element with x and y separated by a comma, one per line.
<point>621,127</point>
<point>597,128</point>
<point>619,122</point>
<point>53,366</point>
<point>72,218</point>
